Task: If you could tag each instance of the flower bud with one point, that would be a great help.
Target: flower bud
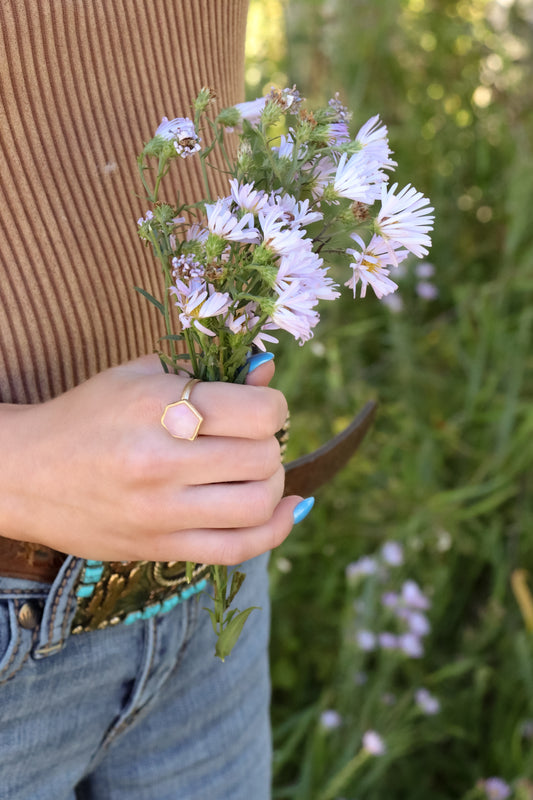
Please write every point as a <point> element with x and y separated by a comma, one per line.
<point>229,117</point>
<point>205,96</point>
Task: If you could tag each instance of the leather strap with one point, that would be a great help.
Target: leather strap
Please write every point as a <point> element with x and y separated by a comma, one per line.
<point>27,561</point>
<point>303,477</point>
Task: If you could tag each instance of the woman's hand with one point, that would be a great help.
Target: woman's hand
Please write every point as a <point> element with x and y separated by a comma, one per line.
<point>94,473</point>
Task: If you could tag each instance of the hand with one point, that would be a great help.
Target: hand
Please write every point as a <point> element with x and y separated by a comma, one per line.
<point>93,472</point>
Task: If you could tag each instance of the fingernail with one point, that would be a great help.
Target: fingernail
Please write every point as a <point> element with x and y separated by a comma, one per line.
<point>258,359</point>
<point>302,509</point>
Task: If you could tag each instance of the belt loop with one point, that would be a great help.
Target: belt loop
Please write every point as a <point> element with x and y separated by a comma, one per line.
<point>59,609</point>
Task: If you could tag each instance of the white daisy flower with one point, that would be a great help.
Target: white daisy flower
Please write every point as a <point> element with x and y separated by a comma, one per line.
<point>405,218</point>
<point>195,233</point>
<point>358,178</point>
<point>322,175</point>
<point>295,213</point>
<point>305,269</point>
<point>252,109</point>
<point>222,222</point>
<point>293,312</point>
<point>200,305</point>
<point>248,198</point>
<point>285,148</point>
<point>277,237</point>
<point>371,266</point>
<point>373,138</point>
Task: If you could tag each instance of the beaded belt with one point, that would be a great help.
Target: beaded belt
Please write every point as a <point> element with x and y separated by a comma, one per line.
<point>111,592</point>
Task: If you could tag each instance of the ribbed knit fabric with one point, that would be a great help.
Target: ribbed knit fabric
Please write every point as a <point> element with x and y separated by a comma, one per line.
<point>83,83</point>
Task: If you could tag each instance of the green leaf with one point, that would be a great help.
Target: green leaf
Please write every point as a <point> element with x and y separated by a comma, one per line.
<point>237,580</point>
<point>172,337</point>
<point>227,639</point>
<point>151,299</point>
<point>213,617</point>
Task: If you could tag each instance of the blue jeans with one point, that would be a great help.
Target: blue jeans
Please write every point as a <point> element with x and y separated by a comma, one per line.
<point>134,712</point>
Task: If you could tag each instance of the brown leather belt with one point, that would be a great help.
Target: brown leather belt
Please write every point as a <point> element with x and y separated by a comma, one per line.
<point>303,477</point>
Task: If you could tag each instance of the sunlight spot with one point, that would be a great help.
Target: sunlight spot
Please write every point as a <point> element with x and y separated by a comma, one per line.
<point>482,96</point>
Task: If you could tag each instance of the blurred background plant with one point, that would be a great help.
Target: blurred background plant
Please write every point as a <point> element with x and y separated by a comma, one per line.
<point>444,480</point>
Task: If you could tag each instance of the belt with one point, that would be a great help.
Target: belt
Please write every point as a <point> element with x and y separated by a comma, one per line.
<point>112,592</point>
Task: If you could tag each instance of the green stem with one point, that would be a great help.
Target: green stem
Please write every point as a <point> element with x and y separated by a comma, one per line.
<point>192,352</point>
<point>166,300</point>
<point>204,176</point>
<point>142,169</point>
<point>340,780</point>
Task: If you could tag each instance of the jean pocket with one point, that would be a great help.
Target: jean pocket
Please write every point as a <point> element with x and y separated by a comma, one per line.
<point>18,622</point>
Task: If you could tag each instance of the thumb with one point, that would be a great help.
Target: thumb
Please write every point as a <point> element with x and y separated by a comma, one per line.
<point>261,370</point>
<point>144,365</point>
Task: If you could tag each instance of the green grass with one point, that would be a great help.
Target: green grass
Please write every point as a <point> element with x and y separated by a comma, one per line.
<point>447,470</point>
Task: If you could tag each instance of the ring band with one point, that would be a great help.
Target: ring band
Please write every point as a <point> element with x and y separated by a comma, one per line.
<point>181,419</point>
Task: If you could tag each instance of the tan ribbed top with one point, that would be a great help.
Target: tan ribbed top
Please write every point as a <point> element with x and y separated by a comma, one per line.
<point>83,83</point>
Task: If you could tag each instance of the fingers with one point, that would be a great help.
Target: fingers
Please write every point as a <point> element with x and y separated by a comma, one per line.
<point>228,409</point>
<point>226,545</point>
<point>222,505</point>
<point>217,459</point>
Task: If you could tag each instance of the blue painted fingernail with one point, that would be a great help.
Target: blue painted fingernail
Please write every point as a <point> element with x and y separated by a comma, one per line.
<point>258,359</point>
<point>302,509</point>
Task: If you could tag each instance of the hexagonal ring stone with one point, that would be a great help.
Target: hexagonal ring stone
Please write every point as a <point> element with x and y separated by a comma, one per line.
<point>182,420</point>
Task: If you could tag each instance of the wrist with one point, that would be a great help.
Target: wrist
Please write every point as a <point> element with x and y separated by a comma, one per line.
<point>16,470</point>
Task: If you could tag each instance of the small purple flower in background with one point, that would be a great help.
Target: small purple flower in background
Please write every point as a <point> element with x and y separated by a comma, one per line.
<point>366,640</point>
<point>330,719</point>
<point>413,596</point>
<point>417,622</point>
<point>373,743</point>
<point>427,702</point>
<point>390,599</point>
<point>496,788</point>
<point>393,302</point>
<point>388,640</point>
<point>363,566</point>
<point>392,554</point>
<point>410,645</point>
<point>426,290</point>
<point>424,270</point>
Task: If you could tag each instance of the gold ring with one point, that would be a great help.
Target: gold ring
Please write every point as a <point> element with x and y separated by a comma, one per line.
<point>181,419</point>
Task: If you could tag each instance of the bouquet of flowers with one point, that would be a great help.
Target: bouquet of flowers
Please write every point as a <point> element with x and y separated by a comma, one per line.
<point>237,269</point>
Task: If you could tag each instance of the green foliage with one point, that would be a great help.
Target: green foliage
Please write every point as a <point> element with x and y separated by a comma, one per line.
<point>447,470</point>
